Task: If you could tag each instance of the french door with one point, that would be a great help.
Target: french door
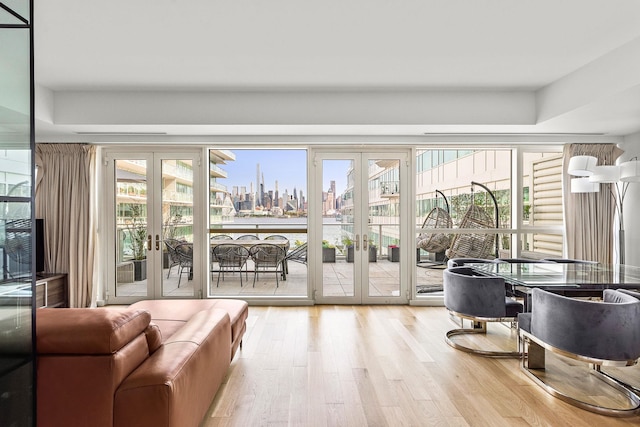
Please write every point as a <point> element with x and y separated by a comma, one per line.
<point>154,225</point>
<point>364,254</point>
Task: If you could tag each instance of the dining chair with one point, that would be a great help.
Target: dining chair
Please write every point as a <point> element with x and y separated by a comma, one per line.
<point>521,260</point>
<point>459,262</point>
<point>479,299</point>
<point>221,237</point>
<point>248,237</point>
<point>231,258</point>
<point>172,255</point>
<point>287,246</point>
<point>599,333</point>
<point>185,259</point>
<point>265,256</point>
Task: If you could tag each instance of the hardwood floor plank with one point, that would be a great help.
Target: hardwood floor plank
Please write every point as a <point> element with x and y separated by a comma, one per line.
<point>384,366</point>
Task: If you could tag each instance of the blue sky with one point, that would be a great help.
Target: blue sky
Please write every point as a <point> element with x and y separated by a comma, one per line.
<point>287,166</point>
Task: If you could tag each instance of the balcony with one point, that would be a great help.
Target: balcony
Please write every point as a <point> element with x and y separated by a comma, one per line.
<point>390,189</point>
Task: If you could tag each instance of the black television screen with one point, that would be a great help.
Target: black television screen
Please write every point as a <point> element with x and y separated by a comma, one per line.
<point>39,249</point>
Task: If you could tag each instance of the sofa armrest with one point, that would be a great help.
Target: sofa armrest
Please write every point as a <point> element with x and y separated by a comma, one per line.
<point>176,384</point>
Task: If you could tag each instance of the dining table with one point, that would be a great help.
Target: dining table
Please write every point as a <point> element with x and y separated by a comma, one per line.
<point>569,279</point>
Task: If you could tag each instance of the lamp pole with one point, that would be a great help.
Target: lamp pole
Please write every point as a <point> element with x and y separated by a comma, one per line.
<point>618,198</point>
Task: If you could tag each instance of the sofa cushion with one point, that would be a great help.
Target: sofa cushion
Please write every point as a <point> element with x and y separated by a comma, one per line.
<point>86,330</point>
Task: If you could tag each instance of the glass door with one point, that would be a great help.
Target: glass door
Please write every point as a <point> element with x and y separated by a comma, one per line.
<point>360,196</point>
<point>153,243</point>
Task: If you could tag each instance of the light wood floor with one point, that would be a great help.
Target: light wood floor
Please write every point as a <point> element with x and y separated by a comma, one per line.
<point>378,366</point>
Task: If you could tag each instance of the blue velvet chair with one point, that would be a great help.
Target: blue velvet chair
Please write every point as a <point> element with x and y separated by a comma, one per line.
<point>480,299</point>
<point>600,333</point>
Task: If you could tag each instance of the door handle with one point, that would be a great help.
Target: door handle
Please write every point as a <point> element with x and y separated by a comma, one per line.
<point>149,242</point>
<point>357,242</point>
<point>157,242</point>
<point>364,242</point>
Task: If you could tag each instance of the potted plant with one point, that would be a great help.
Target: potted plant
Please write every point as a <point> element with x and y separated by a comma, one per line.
<point>328,252</point>
<point>394,252</point>
<point>348,243</point>
<point>137,231</point>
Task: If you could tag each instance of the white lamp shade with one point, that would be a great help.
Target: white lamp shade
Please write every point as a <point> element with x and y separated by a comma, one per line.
<point>583,185</point>
<point>630,171</point>
<point>582,165</point>
<point>605,174</point>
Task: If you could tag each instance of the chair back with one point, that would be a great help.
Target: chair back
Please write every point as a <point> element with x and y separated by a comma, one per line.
<point>266,254</point>
<point>468,293</point>
<point>459,262</point>
<point>522,260</point>
<point>248,237</point>
<point>279,237</point>
<point>229,255</point>
<point>185,254</point>
<point>171,245</point>
<point>606,330</point>
<point>221,237</point>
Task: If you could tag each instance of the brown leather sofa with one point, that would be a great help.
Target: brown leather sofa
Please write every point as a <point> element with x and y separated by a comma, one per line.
<point>157,363</point>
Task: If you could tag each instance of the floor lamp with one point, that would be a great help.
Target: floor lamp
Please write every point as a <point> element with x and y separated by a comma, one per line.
<point>590,176</point>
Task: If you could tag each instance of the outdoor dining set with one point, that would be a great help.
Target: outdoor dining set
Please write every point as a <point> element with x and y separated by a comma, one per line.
<point>229,255</point>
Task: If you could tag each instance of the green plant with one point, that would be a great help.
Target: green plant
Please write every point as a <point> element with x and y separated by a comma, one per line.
<point>137,229</point>
<point>326,244</point>
<point>347,241</point>
<point>170,226</point>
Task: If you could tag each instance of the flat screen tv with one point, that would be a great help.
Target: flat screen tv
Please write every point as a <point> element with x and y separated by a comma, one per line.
<point>39,249</point>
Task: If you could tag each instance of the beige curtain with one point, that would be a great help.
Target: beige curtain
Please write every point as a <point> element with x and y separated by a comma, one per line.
<point>589,217</point>
<point>64,198</point>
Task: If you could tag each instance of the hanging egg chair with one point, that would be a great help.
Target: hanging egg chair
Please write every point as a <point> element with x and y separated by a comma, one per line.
<point>475,245</point>
<point>437,218</point>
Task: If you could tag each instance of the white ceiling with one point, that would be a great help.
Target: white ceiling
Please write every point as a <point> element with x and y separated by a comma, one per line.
<point>203,69</point>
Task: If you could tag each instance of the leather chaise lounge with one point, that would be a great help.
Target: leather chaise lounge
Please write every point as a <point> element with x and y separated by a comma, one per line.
<point>156,363</point>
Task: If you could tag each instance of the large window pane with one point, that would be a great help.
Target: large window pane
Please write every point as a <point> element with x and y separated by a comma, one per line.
<point>259,193</point>
<point>463,189</point>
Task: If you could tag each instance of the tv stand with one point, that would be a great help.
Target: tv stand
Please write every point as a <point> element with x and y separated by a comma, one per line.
<point>52,290</point>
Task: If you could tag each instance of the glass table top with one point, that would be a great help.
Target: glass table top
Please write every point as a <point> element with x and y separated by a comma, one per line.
<point>562,275</point>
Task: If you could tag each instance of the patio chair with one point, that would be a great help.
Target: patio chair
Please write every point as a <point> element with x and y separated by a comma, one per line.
<point>265,256</point>
<point>480,299</point>
<point>599,333</point>
<point>221,237</point>
<point>248,237</point>
<point>438,218</point>
<point>231,258</point>
<point>174,259</point>
<point>185,257</point>
<point>287,246</point>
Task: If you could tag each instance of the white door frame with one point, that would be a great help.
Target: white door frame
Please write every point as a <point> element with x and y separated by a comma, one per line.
<point>361,278</point>
<point>154,220</point>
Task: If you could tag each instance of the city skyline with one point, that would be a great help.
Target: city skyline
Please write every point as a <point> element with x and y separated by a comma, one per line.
<point>241,172</point>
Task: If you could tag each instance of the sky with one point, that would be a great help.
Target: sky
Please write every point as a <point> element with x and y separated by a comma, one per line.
<point>287,166</point>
